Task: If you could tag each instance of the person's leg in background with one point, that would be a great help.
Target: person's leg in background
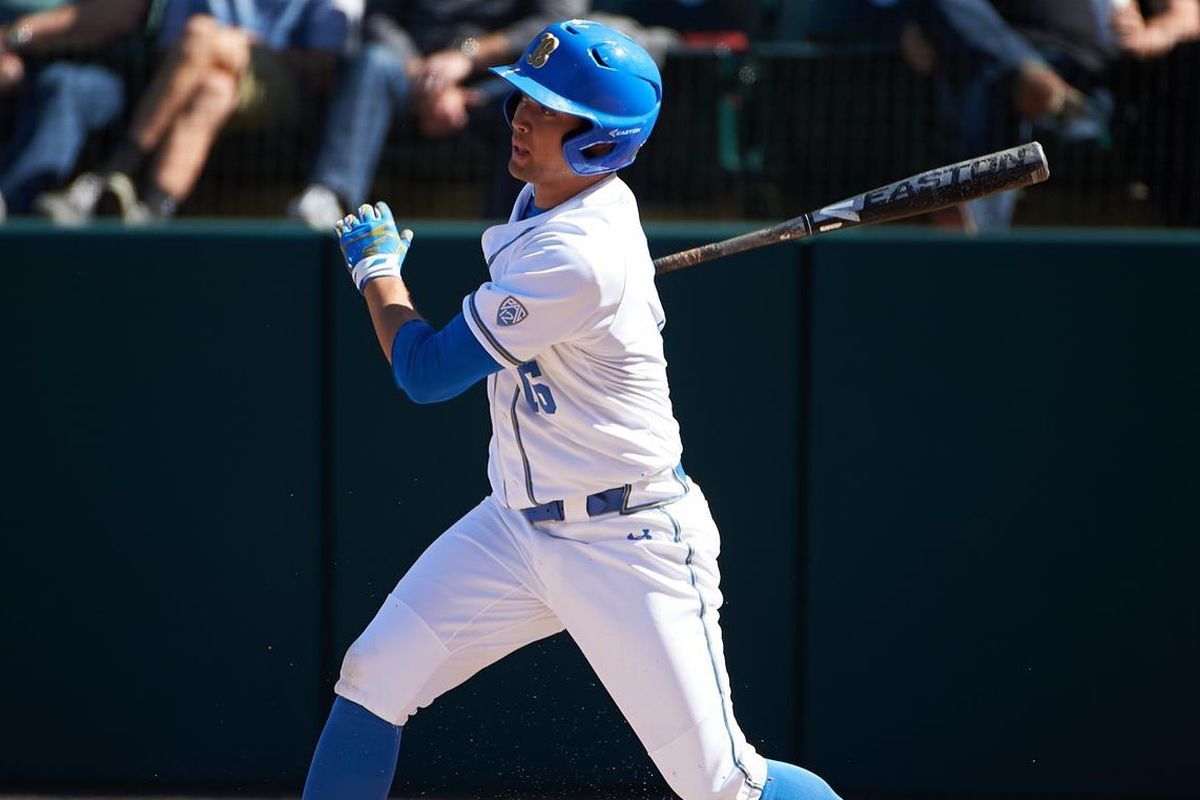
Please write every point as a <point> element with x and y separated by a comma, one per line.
<point>974,116</point>
<point>989,83</point>
<point>63,104</point>
<point>192,84</point>
<point>371,93</point>
<point>185,148</point>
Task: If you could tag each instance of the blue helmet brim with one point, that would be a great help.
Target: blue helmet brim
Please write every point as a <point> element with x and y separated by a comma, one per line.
<point>543,96</point>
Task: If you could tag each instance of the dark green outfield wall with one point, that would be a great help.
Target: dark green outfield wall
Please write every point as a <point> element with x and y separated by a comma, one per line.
<point>160,522</point>
<point>957,483</point>
<point>1003,527</point>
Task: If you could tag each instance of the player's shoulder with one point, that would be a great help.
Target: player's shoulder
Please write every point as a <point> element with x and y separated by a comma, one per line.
<point>568,251</point>
<point>583,236</point>
<point>597,222</point>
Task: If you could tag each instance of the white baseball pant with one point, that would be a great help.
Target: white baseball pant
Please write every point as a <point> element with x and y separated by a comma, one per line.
<point>637,592</point>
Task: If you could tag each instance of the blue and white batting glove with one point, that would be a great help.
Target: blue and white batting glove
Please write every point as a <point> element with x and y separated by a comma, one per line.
<point>371,245</point>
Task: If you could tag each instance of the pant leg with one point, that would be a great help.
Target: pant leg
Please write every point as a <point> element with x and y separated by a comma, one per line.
<point>974,115</point>
<point>467,602</point>
<point>373,91</point>
<point>640,596</point>
<point>66,102</point>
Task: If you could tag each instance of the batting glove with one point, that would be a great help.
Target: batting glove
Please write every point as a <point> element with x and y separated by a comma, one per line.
<point>371,245</point>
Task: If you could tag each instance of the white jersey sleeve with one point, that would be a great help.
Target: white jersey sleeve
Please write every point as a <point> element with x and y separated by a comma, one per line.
<point>548,295</point>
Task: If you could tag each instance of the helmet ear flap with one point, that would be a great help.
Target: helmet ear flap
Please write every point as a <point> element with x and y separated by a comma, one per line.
<point>592,151</point>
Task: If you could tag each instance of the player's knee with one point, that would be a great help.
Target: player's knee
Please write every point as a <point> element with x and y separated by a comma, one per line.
<point>360,665</point>
<point>389,667</point>
<point>371,666</point>
<point>367,677</point>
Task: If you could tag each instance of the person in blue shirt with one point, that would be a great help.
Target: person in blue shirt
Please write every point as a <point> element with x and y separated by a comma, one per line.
<point>426,59</point>
<point>1005,71</point>
<point>62,69</point>
<point>227,62</point>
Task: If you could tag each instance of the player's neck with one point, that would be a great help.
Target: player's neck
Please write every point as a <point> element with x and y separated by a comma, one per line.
<point>549,194</point>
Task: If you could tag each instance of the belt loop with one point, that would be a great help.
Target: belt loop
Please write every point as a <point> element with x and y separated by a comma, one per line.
<point>575,508</point>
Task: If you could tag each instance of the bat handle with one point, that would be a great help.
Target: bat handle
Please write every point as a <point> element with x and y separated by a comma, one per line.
<point>799,228</point>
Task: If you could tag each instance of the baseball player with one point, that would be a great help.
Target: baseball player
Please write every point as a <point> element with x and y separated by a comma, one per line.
<point>592,525</point>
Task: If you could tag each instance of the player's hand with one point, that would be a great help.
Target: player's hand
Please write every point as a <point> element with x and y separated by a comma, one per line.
<point>371,245</point>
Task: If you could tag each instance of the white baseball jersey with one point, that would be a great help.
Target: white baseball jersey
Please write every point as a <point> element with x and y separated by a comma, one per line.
<point>583,407</point>
<point>572,310</point>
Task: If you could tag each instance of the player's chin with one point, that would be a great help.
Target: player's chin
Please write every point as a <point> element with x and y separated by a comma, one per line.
<point>518,167</point>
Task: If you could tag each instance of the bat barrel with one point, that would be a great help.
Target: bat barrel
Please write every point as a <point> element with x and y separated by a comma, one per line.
<point>929,191</point>
<point>939,188</point>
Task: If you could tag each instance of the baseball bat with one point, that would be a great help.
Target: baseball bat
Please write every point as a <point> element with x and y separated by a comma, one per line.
<point>920,194</point>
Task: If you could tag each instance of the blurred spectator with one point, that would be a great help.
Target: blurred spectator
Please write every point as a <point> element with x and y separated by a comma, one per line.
<point>683,15</point>
<point>429,59</point>
<point>1170,22</point>
<point>64,63</point>
<point>242,62</point>
<point>1007,69</point>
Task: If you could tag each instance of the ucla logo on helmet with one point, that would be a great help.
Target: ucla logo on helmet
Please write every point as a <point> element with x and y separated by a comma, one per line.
<point>546,45</point>
<point>510,312</point>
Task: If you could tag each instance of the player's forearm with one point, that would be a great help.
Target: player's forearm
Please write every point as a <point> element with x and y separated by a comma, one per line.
<point>391,307</point>
<point>431,366</point>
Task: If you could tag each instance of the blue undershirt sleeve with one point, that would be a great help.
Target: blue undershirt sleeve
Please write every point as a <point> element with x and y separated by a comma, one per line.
<point>432,366</point>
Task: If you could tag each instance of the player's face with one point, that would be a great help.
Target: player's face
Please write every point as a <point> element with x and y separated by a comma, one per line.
<point>537,136</point>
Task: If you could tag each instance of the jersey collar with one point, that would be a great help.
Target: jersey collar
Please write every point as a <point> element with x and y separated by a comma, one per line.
<point>498,237</point>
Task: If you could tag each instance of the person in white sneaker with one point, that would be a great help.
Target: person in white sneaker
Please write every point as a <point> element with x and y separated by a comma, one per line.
<point>227,63</point>
<point>61,80</point>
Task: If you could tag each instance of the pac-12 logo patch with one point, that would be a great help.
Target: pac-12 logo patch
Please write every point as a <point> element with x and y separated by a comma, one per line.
<point>510,312</point>
<point>541,54</point>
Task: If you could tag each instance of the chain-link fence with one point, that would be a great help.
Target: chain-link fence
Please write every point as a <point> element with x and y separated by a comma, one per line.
<point>769,132</point>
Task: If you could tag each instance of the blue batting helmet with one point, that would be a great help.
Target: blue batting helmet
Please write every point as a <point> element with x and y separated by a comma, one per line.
<point>589,70</point>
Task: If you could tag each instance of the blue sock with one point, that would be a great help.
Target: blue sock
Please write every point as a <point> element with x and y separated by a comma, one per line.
<point>789,782</point>
<point>356,756</point>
